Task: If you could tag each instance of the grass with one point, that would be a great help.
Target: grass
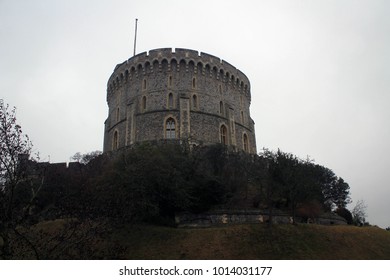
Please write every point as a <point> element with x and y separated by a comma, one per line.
<point>93,240</point>
<point>254,242</point>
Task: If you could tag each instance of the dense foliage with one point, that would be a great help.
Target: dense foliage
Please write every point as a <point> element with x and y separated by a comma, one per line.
<point>152,182</point>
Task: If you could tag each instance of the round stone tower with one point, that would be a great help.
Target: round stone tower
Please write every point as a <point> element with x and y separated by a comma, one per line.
<point>180,95</point>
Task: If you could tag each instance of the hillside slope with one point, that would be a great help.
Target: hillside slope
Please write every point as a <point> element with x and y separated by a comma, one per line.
<point>254,242</point>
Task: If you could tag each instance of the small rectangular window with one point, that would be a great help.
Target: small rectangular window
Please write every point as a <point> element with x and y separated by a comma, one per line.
<point>144,84</point>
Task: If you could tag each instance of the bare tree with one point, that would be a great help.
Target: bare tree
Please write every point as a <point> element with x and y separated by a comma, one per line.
<point>85,158</point>
<point>359,213</point>
<point>15,149</point>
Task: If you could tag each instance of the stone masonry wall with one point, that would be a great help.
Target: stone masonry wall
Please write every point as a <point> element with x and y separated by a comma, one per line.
<point>224,217</point>
<point>200,92</point>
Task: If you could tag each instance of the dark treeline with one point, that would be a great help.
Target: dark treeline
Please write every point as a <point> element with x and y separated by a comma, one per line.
<point>151,183</point>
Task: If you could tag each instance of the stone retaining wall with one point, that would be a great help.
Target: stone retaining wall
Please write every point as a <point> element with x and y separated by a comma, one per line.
<point>221,217</point>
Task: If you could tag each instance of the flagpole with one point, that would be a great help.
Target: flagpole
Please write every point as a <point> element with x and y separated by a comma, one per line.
<point>135,35</point>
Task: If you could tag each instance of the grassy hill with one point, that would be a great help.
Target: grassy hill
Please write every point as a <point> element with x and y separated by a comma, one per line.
<point>58,239</point>
<point>254,242</point>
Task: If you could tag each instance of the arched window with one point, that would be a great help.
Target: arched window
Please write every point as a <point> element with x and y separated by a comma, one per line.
<point>194,101</point>
<point>245,143</point>
<point>223,135</point>
<point>143,104</point>
<point>115,142</point>
<point>170,129</point>
<point>170,100</point>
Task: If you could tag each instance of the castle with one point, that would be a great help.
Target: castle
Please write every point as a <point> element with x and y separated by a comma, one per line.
<point>180,95</point>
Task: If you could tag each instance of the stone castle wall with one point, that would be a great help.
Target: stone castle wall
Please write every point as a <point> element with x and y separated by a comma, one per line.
<point>180,94</point>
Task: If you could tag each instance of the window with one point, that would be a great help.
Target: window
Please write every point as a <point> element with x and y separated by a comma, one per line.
<point>170,81</point>
<point>245,143</point>
<point>195,101</point>
<point>242,117</point>
<point>143,104</point>
<point>223,134</point>
<point>117,114</point>
<point>144,84</point>
<point>170,129</point>
<point>115,142</point>
<point>170,101</point>
<point>193,83</point>
<point>221,108</point>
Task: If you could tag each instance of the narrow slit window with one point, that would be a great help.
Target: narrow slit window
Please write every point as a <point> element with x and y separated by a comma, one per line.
<point>223,135</point>
<point>115,142</point>
<point>245,143</point>
<point>144,84</point>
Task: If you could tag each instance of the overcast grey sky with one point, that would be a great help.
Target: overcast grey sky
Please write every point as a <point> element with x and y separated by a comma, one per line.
<point>319,73</point>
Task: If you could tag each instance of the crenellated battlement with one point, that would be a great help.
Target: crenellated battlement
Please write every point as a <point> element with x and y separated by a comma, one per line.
<point>179,58</point>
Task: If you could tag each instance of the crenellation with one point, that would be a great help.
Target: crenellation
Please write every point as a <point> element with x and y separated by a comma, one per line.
<point>138,57</point>
<point>211,58</point>
<point>187,53</point>
<point>159,52</point>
